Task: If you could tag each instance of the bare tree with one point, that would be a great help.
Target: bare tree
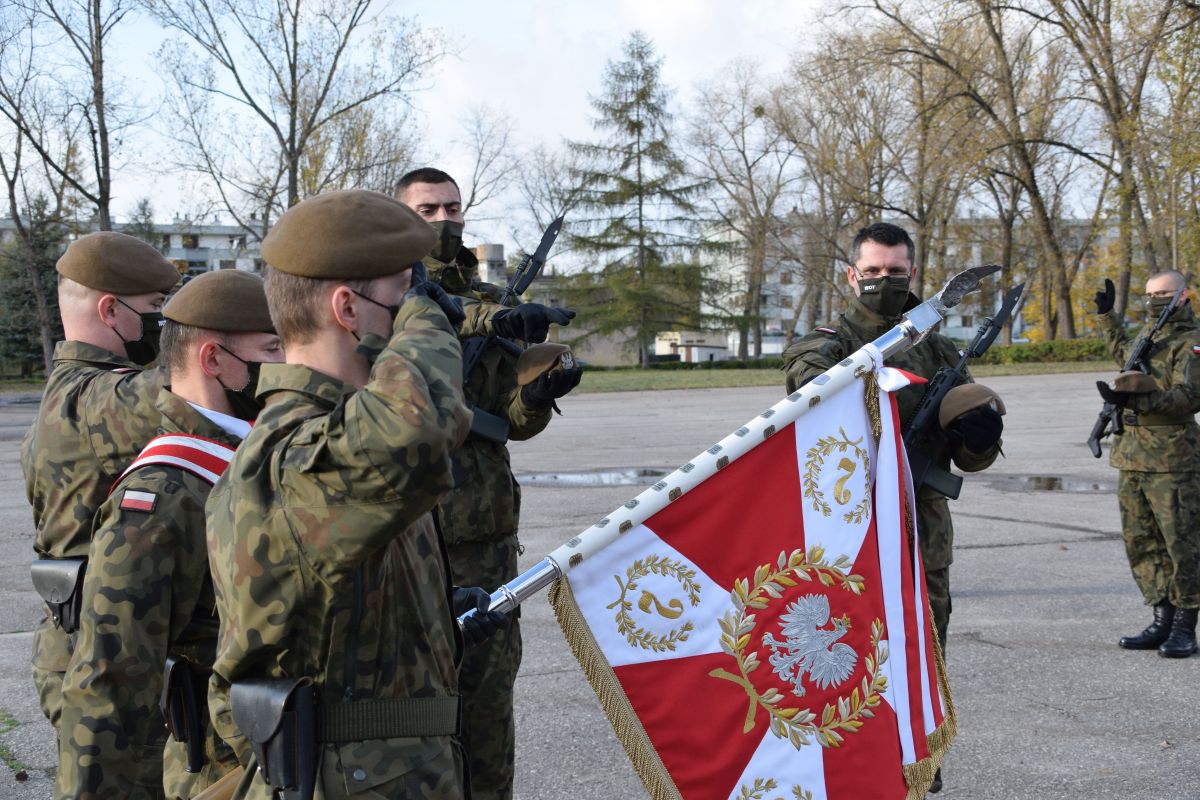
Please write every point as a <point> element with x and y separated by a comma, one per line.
<point>290,98</point>
<point>493,163</point>
<point>71,98</point>
<point>750,168</point>
<point>548,189</point>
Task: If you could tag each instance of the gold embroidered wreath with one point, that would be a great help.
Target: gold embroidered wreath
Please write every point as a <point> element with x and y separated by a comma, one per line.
<point>641,568</point>
<point>799,725</point>
<point>814,462</point>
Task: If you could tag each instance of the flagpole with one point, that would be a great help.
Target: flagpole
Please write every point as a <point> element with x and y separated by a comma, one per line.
<point>914,326</point>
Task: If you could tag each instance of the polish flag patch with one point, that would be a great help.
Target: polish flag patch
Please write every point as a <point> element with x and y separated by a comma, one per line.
<point>1196,349</point>
<point>138,501</point>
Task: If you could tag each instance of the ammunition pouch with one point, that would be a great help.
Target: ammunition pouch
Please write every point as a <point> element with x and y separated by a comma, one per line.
<point>184,706</point>
<point>60,584</point>
<point>279,719</point>
<point>489,426</point>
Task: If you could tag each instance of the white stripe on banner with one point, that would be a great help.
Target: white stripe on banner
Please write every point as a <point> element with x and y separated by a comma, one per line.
<point>217,449</point>
<point>922,618</point>
<point>599,582</point>
<point>182,463</point>
<point>776,758</point>
<point>835,449</point>
<point>889,523</point>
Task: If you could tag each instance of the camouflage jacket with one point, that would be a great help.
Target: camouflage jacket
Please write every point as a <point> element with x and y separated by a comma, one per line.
<point>97,412</point>
<point>147,595</point>
<point>485,503</point>
<point>1161,434</point>
<point>325,560</point>
<point>826,346</point>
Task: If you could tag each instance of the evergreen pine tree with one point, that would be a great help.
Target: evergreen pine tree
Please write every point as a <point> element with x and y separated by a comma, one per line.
<point>639,216</point>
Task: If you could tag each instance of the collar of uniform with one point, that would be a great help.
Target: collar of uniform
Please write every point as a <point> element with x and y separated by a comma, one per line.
<point>178,416</point>
<point>1183,317</point>
<point>325,390</point>
<point>457,276</point>
<point>90,353</point>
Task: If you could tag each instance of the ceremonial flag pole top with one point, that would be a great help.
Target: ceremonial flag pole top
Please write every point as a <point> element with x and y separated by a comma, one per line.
<point>914,326</point>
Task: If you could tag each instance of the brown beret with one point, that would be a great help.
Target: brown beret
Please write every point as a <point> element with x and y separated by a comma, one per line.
<point>542,358</point>
<point>114,262</point>
<point>227,300</point>
<point>1134,382</point>
<point>348,235</point>
<point>967,397</point>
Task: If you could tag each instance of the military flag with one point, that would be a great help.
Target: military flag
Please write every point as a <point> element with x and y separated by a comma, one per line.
<point>765,633</point>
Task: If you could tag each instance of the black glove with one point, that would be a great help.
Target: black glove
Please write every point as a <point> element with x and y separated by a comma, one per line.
<point>451,306</point>
<point>483,624</point>
<point>529,322</point>
<point>1111,395</point>
<point>1106,297</point>
<point>980,429</point>
<point>550,386</point>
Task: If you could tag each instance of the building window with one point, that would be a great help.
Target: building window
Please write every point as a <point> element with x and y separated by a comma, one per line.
<point>228,263</point>
<point>237,242</point>
<point>166,241</point>
<point>191,241</point>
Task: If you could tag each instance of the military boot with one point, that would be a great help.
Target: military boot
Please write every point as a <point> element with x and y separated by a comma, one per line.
<point>1156,633</point>
<point>936,786</point>
<point>1182,641</point>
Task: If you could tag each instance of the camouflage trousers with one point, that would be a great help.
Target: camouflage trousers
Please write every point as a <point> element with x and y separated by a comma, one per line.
<point>219,760</point>
<point>488,673</point>
<point>1160,522</point>
<point>936,533</point>
<point>51,655</point>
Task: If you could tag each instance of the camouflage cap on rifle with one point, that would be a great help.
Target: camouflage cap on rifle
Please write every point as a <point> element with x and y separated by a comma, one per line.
<point>967,397</point>
<point>226,300</point>
<point>1134,382</point>
<point>542,358</point>
<point>353,234</point>
<point>108,261</point>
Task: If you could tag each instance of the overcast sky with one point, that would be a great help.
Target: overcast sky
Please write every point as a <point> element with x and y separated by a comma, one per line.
<point>535,60</point>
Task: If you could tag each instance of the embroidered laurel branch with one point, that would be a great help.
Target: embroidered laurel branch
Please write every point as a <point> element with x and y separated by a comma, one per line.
<point>641,568</point>
<point>815,461</point>
<point>798,725</point>
<point>760,788</point>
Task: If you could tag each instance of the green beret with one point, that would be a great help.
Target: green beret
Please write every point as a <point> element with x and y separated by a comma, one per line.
<point>348,235</point>
<point>539,359</point>
<point>1134,382</point>
<point>967,397</point>
<point>227,300</point>
<point>114,262</point>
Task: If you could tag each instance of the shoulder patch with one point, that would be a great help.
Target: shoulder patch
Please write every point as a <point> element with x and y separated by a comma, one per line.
<point>1196,349</point>
<point>823,329</point>
<point>138,501</point>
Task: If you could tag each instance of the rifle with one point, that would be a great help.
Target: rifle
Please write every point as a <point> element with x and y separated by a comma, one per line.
<point>1108,421</point>
<point>488,425</point>
<point>925,469</point>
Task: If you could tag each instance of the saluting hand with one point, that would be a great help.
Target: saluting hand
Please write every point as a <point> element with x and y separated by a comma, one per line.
<point>1106,298</point>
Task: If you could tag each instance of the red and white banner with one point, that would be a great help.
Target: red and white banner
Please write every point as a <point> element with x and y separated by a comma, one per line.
<point>767,634</point>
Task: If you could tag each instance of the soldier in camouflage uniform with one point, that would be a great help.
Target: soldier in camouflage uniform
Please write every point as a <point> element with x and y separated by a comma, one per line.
<point>97,411</point>
<point>329,572</point>
<point>479,518</point>
<point>148,594</point>
<point>1159,459</point>
<point>880,274</point>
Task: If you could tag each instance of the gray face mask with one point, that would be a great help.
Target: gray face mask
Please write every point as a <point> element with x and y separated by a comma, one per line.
<point>1155,306</point>
<point>885,296</point>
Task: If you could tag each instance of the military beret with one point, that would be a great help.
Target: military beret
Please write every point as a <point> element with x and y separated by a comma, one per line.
<point>542,358</point>
<point>967,397</point>
<point>108,261</point>
<point>1134,382</point>
<point>348,235</point>
<point>227,300</point>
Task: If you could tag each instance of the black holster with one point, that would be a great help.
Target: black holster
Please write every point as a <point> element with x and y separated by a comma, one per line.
<point>184,705</point>
<point>278,716</point>
<point>60,584</point>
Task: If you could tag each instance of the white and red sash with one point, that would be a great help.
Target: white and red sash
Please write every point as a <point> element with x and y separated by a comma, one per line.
<point>204,458</point>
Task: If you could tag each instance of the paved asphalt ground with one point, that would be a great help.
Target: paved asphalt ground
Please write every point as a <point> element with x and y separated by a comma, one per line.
<point>1048,706</point>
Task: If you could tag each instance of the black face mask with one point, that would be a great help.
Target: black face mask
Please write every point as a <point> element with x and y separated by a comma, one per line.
<point>885,296</point>
<point>144,349</point>
<point>449,240</point>
<point>243,401</point>
<point>1155,306</point>
<point>392,310</point>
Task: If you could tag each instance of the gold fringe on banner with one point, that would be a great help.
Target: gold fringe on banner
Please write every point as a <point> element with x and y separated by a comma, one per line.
<point>919,776</point>
<point>616,705</point>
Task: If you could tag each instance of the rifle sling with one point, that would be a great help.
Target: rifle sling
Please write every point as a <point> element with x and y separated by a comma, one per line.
<point>362,720</point>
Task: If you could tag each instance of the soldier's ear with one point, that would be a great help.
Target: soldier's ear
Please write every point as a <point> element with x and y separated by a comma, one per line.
<point>343,304</point>
<point>208,358</point>
<point>106,307</point>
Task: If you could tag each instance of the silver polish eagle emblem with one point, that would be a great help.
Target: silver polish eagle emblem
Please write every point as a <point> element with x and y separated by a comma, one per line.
<point>810,648</point>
